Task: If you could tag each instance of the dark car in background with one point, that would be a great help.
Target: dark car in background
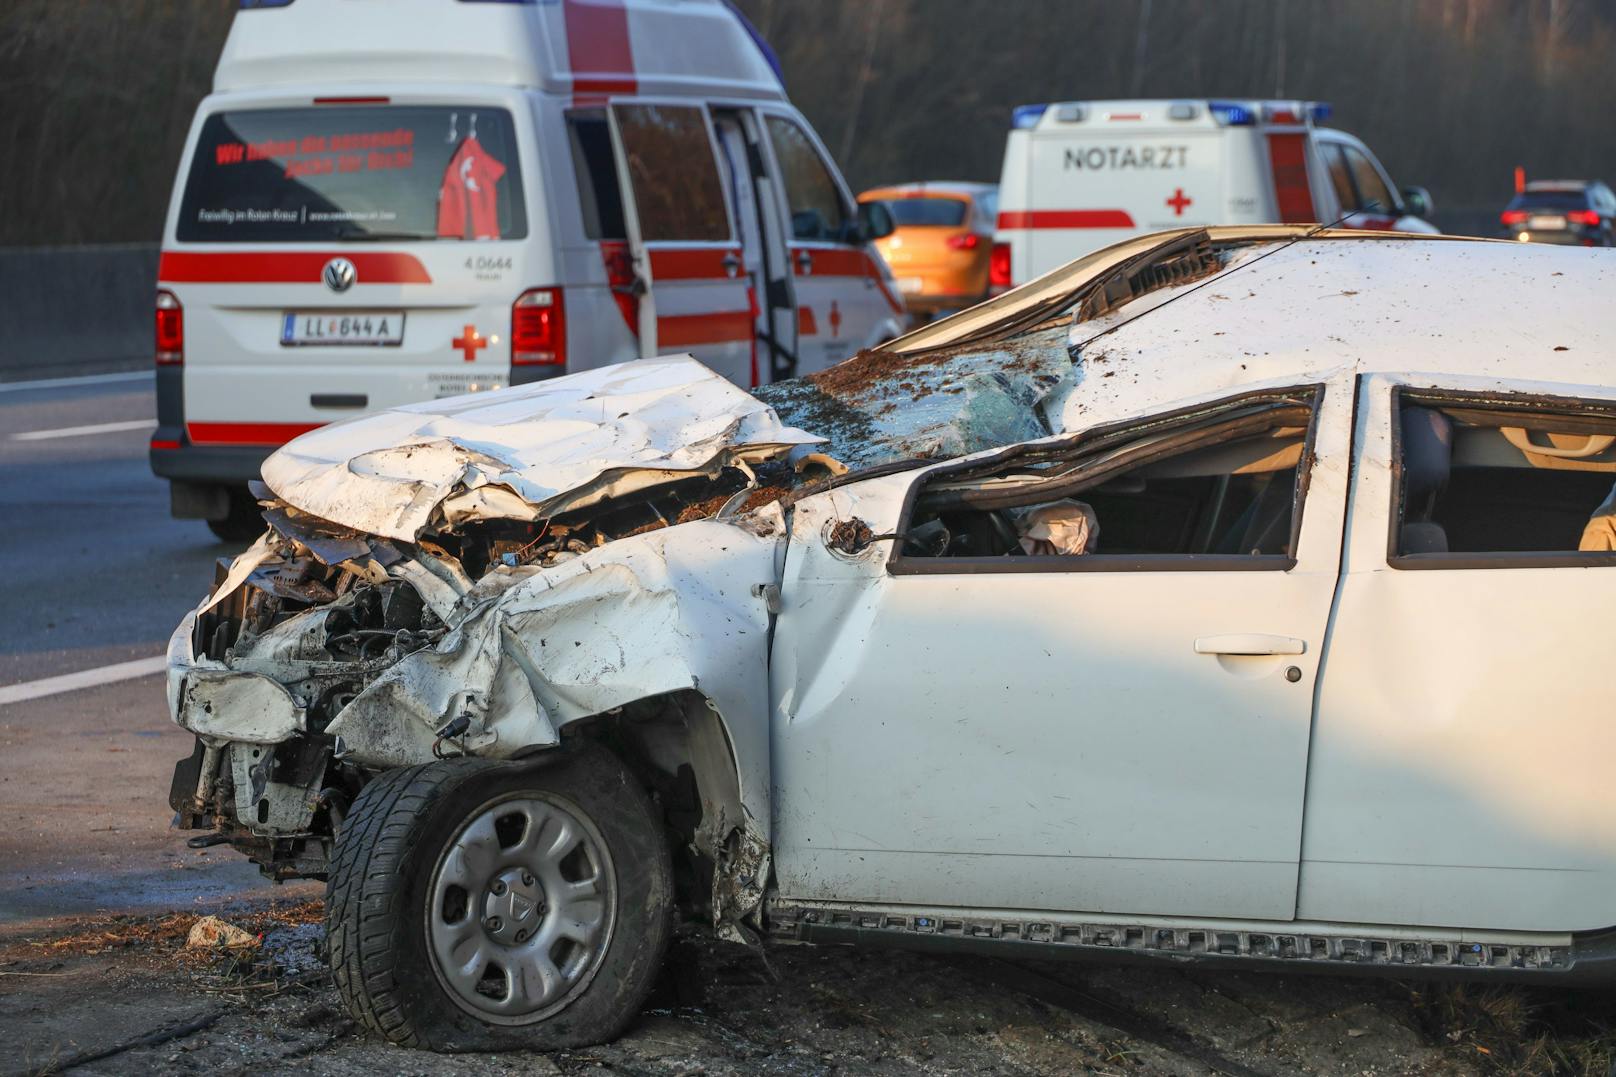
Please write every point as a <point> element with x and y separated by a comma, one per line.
<point>1572,212</point>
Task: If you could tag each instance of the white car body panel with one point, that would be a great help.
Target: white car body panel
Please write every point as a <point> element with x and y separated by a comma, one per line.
<point>1461,768</point>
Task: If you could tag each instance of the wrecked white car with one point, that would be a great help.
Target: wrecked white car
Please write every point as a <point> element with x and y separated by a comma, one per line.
<point>1231,595</point>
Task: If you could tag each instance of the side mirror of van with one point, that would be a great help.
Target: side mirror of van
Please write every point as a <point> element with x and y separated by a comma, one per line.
<point>874,221</point>
<point>1417,200</point>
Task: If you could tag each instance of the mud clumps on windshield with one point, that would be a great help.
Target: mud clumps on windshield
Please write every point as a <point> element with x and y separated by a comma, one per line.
<point>850,535</point>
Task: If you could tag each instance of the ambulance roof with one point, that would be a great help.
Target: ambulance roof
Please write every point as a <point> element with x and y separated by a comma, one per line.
<point>1122,116</point>
<point>589,48</point>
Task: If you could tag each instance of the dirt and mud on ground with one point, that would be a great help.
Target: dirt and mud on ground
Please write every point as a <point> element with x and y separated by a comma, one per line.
<point>126,995</point>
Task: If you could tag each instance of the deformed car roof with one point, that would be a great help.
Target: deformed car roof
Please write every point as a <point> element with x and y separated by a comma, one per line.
<point>1154,322</point>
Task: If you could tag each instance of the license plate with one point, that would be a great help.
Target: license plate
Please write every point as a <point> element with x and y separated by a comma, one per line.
<point>911,284</point>
<point>1546,223</point>
<point>363,328</point>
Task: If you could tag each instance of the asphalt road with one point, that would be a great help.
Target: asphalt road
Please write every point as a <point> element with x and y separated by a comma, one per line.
<point>93,573</point>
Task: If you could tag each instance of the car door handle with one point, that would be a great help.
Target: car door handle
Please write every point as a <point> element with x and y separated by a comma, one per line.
<point>805,262</point>
<point>732,265</point>
<point>1252,643</point>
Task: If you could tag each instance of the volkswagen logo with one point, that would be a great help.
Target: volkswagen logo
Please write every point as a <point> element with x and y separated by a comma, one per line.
<point>339,274</point>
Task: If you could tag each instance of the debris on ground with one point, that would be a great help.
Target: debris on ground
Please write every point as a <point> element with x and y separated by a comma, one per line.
<point>212,933</point>
<point>128,994</point>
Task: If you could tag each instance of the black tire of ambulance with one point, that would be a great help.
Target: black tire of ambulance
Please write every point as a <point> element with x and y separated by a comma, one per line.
<point>245,521</point>
<point>381,877</point>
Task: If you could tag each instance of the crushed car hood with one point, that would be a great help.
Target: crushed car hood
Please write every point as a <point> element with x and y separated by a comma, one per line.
<point>528,452</point>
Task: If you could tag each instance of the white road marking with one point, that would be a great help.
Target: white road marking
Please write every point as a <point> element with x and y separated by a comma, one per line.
<point>83,431</point>
<point>85,678</point>
<point>68,383</point>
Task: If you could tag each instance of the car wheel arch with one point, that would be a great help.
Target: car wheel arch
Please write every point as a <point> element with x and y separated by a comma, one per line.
<point>680,747</point>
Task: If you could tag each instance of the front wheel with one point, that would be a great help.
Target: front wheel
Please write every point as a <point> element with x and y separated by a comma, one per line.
<point>475,905</point>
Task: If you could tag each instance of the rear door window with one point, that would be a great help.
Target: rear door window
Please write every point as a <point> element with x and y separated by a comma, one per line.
<point>935,212</point>
<point>1554,200</point>
<point>330,174</point>
<point>817,210</point>
<point>668,154</point>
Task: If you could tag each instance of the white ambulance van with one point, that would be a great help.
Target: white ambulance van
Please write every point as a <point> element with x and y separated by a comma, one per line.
<point>1081,175</point>
<point>386,201</point>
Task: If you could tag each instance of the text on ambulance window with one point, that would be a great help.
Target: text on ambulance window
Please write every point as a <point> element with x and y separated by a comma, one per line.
<point>817,211</point>
<point>354,173</point>
<point>672,173</point>
<point>1372,190</point>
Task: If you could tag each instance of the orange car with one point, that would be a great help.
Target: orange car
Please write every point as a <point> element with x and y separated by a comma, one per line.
<point>939,252</point>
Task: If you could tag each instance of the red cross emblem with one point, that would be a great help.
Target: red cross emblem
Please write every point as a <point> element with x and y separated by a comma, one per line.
<point>1179,201</point>
<point>835,319</point>
<point>470,342</point>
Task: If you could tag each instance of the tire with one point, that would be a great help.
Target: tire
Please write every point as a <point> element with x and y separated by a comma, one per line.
<point>443,859</point>
<point>245,521</point>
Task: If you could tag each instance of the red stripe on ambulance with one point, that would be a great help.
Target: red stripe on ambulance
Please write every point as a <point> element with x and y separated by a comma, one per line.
<point>246,433</point>
<point>842,262</point>
<point>285,267</point>
<point>1066,218</point>
<point>598,50</point>
<point>1287,156</point>
<point>686,330</point>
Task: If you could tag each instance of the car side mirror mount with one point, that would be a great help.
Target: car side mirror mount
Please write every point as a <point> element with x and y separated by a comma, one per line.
<point>874,221</point>
<point>1417,200</point>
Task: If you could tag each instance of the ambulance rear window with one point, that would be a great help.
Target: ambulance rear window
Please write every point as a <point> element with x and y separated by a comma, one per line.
<point>924,212</point>
<point>354,173</point>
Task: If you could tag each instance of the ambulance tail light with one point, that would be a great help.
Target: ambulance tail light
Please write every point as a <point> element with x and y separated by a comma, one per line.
<point>170,330</point>
<point>965,241</point>
<point>1583,216</point>
<point>999,267</point>
<point>1513,217</point>
<point>1229,114</point>
<point>538,328</point>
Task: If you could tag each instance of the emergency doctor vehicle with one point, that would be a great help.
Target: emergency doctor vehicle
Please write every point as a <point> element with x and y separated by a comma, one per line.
<point>1082,175</point>
<point>389,201</point>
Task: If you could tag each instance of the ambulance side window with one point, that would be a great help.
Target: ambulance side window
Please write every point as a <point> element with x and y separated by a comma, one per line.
<point>1340,178</point>
<point>817,212</point>
<point>599,196</point>
<point>1371,188</point>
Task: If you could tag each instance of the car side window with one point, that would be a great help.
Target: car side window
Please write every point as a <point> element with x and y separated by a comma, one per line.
<point>1372,190</point>
<point>1340,178</point>
<point>1480,481</point>
<point>817,212</point>
<point>1219,487</point>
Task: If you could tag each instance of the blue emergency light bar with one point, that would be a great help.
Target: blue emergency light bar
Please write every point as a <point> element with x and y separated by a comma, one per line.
<point>1027,116</point>
<point>1229,114</point>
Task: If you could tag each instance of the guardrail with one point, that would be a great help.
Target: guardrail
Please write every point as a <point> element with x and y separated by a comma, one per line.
<point>75,310</point>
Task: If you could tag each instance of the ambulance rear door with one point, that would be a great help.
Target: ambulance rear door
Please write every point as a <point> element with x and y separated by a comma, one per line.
<point>347,255</point>
<point>685,248</point>
<point>1109,176</point>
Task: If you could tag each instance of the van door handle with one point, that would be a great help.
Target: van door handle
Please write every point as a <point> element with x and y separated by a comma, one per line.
<point>731,263</point>
<point>805,262</point>
<point>1249,643</point>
